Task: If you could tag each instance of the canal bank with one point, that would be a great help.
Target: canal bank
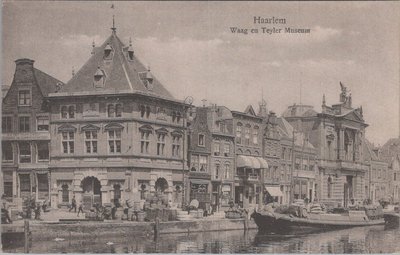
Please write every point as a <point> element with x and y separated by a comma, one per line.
<point>44,231</point>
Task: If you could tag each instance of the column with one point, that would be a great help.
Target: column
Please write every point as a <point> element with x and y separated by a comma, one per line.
<point>341,144</point>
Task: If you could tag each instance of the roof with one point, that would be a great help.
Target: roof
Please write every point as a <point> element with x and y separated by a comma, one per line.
<point>369,154</point>
<point>122,74</point>
<point>299,137</point>
<point>299,111</point>
<point>46,82</point>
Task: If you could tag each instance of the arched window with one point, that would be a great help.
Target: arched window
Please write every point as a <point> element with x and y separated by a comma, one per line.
<point>64,112</point>
<point>255,135</point>
<point>65,193</point>
<point>227,171</point>
<point>178,117</point>
<point>110,110</point>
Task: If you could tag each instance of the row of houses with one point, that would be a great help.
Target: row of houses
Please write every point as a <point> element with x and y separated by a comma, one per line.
<point>114,132</point>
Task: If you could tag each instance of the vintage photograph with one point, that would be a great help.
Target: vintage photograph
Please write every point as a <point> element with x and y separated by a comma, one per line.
<point>200,127</point>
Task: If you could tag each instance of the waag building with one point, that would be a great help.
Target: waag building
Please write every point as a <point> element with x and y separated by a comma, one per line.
<point>116,132</point>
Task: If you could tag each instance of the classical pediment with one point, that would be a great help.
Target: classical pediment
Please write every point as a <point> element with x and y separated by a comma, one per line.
<point>146,128</point>
<point>354,116</point>
<point>162,131</point>
<point>90,127</point>
<point>113,126</point>
<point>66,128</point>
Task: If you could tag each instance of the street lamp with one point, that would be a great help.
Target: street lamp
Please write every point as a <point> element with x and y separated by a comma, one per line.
<point>187,102</point>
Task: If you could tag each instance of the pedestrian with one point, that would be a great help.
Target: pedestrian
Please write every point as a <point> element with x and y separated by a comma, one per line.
<point>4,210</point>
<point>37,212</point>
<point>80,208</point>
<point>73,205</point>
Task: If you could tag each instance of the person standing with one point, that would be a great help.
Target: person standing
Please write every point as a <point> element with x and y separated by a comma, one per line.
<point>80,209</point>
<point>4,209</point>
<point>73,205</point>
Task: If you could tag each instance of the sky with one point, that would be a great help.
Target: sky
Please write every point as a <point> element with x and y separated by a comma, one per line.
<point>190,48</point>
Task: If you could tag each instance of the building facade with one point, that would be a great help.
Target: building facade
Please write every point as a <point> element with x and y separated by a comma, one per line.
<point>250,164</point>
<point>26,133</point>
<point>338,134</point>
<point>117,133</point>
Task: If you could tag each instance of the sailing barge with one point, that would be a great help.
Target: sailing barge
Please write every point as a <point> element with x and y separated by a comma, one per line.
<point>268,221</point>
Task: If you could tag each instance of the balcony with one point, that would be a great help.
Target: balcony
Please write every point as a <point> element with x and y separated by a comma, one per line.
<point>253,178</point>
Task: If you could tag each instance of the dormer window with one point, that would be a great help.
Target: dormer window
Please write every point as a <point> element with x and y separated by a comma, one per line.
<point>99,78</point>
<point>108,52</point>
<point>147,79</point>
<point>130,53</point>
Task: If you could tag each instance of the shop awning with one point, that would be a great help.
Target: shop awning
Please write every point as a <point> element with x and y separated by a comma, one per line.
<point>274,191</point>
<point>248,162</point>
<point>263,163</point>
<point>199,181</point>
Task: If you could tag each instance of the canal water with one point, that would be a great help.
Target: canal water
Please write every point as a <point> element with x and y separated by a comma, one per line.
<point>377,239</point>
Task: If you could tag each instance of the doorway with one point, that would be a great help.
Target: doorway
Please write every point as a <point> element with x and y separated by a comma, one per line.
<point>91,192</point>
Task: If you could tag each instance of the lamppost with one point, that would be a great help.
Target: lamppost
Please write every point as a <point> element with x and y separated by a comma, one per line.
<point>187,103</point>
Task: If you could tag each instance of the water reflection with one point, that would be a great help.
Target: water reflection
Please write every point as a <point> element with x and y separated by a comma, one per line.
<point>356,240</point>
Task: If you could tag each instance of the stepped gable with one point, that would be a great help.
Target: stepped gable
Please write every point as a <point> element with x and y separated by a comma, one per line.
<point>119,72</point>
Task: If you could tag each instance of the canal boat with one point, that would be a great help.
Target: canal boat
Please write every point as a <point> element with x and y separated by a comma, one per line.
<point>268,221</point>
<point>391,215</point>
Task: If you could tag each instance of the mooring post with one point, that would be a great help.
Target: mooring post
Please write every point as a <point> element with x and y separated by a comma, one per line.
<point>26,234</point>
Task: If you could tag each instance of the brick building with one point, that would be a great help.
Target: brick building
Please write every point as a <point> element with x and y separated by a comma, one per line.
<point>25,133</point>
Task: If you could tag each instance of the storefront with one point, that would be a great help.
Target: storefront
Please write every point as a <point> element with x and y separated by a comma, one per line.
<point>272,194</point>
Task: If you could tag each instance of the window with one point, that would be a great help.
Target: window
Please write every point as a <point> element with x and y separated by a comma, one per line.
<point>43,186</point>
<point>216,171</point>
<point>7,152</point>
<point>255,135</point>
<point>201,140</point>
<point>24,124</point>
<point>25,182</point>
<point>6,124</point>
<point>24,97</point>
<point>247,135</point>
<point>160,144</point>
<point>176,116</point>
<point>227,170</point>
<point>91,141</point>
<point>8,183</point>
<point>144,111</point>
<point>194,163</point>
<point>161,113</point>
<point>239,133</point>
<point>64,112</point>
<point>42,124</point>
<point>25,152</point>
<point>114,141</point>
<point>43,150</point>
<point>68,142</point>
<point>222,127</point>
<point>227,149</point>
<point>65,193</point>
<point>176,146</point>
<point>203,163</point>
<point>67,112</point>
<point>114,110</point>
<point>145,141</point>
<point>216,149</point>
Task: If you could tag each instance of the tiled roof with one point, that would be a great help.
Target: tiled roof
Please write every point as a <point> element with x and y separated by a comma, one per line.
<point>121,73</point>
<point>46,82</point>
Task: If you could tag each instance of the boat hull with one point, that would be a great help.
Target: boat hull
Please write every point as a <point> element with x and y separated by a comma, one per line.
<point>392,219</point>
<point>274,222</point>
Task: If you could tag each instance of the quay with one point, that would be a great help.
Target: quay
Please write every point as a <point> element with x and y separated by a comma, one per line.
<point>45,231</point>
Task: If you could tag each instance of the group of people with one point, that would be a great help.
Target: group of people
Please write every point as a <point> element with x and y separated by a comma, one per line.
<point>73,206</point>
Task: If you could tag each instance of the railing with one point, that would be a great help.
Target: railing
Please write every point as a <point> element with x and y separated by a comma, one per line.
<point>252,177</point>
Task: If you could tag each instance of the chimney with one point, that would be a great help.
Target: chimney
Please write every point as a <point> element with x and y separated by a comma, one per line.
<point>24,71</point>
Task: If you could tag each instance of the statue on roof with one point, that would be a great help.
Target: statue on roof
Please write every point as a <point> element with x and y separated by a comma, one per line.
<point>343,95</point>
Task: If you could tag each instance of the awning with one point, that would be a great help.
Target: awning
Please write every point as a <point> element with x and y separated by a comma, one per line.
<point>199,181</point>
<point>248,162</point>
<point>274,191</point>
<point>263,163</point>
